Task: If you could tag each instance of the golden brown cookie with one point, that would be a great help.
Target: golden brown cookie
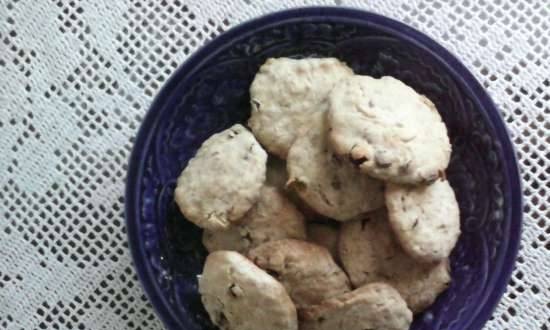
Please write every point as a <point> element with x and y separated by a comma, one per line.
<point>370,253</point>
<point>373,306</point>
<point>306,270</point>
<point>240,296</point>
<point>273,217</point>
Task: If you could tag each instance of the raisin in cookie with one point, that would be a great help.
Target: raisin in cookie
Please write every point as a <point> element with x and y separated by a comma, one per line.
<point>272,218</point>
<point>330,185</point>
<point>370,253</point>
<point>240,296</point>
<point>388,130</point>
<point>285,93</point>
<point>424,218</point>
<point>373,306</point>
<point>306,270</point>
<point>222,182</point>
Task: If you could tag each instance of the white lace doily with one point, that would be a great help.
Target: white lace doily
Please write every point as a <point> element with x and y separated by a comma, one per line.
<point>76,78</point>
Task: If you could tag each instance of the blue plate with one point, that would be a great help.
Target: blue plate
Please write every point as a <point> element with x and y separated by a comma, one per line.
<point>210,93</point>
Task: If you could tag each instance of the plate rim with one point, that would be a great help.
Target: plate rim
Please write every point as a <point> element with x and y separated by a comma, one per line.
<point>451,63</point>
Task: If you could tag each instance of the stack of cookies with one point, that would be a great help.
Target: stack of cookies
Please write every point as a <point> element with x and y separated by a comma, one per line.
<point>332,212</point>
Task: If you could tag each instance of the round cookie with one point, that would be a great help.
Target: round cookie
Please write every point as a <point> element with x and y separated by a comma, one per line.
<point>424,218</point>
<point>285,93</point>
<point>222,182</point>
<point>373,306</point>
<point>232,288</point>
<point>306,270</point>
<point>325,235</point>
<point>388,130</point>
<point>330,185</point>
<point>272,218</point>
<point>370,253</point>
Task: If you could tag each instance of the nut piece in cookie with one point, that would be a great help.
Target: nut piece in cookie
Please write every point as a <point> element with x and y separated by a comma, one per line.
<point>373,306</point>
<point>370,253</point>
<point>329,184</point>
<point>388,130</point>
<point>424,218</point>
<point>277,176</point>
<point>306,270</point>
<point>325,235</point>
<point>240,296</point>
<point>272,218</point>
<point>222,182</point>
<point>285,93</point>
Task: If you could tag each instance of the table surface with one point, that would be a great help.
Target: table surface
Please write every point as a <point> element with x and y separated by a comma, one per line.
<point>76,78</point>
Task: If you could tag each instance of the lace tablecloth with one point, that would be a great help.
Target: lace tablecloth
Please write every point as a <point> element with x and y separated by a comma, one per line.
<point>76,78</point>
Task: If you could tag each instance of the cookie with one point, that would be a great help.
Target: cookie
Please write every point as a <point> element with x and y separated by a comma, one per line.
<point>370,253</point>
<point>306,270</point>
<point>327,183</point>
<point>285,93</point>
<point>325,235</point>
<point>240,296</point>
<point>388,130</point>
<point>272,218</point>
<point>373,306</point>
<point>424,218</point>
<point>222,182</point>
